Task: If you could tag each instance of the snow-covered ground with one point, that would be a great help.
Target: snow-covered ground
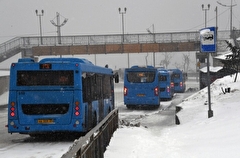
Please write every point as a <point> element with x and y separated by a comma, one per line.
<point>197,136</point>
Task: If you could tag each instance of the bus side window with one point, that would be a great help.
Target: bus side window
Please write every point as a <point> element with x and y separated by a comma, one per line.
<point>98,94</point>
<point>87,95</point>
<point>106,86</point>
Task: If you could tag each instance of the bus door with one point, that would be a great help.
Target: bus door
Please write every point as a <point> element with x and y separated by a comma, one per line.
<point>42,107</point>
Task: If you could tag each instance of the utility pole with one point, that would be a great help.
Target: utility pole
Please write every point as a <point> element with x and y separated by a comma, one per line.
<point>210,112</point>
<point>215,54</point>
<point>58,25</point>
<point>231,6</point>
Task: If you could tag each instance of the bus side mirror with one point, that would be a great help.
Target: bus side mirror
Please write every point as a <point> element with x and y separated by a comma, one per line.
<point>116,77</point>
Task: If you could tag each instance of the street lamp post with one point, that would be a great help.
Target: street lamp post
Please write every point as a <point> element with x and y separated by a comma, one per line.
<point>205,10</point>
<point>210,112</point>
<point>154,40</point>
<point>123,12</point>
<point>40,23</point>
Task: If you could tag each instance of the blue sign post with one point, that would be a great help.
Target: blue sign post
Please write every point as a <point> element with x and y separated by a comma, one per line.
<point>208,40</point>
<point>208,45</point>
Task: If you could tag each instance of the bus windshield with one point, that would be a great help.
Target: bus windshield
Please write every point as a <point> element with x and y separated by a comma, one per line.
<point>141,77</point>
<point>43,78</point>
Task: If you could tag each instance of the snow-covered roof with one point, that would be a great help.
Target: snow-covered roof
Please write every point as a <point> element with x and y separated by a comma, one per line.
<point>211,69</point>
<point>223,56</point>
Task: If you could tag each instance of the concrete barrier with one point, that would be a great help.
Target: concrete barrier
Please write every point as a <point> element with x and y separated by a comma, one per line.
<point>4,84</point>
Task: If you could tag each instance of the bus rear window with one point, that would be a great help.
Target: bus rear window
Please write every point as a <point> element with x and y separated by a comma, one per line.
<point>162,78</point>
<point>43,78</point>
<point>176,75</point>
<point>141,77</point>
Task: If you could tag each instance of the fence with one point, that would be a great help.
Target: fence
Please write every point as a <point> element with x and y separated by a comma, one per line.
<point>4,83</point>
<point>94,143</point>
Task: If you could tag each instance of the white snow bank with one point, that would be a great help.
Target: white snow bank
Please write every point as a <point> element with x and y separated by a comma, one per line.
<point>197,136</point>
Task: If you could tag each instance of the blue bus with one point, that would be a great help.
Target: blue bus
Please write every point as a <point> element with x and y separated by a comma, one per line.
<point>58,95</point>
<point>166,85</point>
<point>179,79</point>
<point>141,87</point>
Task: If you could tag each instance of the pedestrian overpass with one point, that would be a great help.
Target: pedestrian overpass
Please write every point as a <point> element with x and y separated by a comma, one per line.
<point>107,44</point>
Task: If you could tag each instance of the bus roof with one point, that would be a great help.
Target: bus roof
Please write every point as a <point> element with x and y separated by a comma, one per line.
<point>176,70</point>
<point>65,60</point>
<point>141,68</point>
<point>85,64</point>
<point>163,71</point>
<point>137,67</point>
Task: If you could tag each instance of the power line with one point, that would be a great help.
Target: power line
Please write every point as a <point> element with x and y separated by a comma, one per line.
<point>202,24</point>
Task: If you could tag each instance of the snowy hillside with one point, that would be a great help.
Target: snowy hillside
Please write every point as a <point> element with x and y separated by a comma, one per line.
<point>197,136</point>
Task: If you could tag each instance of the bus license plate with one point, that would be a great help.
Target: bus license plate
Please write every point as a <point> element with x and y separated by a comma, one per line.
<point>140,95</point>
<point>45,121</point>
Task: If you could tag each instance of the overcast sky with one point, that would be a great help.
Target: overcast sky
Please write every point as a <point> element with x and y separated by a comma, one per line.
<point>87,17</point>
<point>95,17</point>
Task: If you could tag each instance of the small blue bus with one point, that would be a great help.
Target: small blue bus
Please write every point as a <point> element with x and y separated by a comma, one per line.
<point>57,95</point>
<point>165,84</point>
<point>179,79</point>
<point>141,87</point>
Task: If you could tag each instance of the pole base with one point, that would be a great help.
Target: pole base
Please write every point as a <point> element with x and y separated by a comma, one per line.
<point>210,113</point>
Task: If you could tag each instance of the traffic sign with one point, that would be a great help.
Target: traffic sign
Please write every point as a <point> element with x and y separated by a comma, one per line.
<point>208,40</point>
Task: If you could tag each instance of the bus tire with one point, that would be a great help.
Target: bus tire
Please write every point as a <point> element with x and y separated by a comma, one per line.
<point>129,106</point>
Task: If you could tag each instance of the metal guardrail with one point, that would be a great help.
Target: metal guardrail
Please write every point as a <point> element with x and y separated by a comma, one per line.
<point>94,143</point>
<point>28,42</point>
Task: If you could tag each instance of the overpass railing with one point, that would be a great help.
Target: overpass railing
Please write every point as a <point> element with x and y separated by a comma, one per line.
<point>28,42</point>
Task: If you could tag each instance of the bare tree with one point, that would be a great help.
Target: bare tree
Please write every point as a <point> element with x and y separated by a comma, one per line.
<point>146,58</point>
<point>167,60</point>
<point>186,62</point>
<point>178,66</point>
